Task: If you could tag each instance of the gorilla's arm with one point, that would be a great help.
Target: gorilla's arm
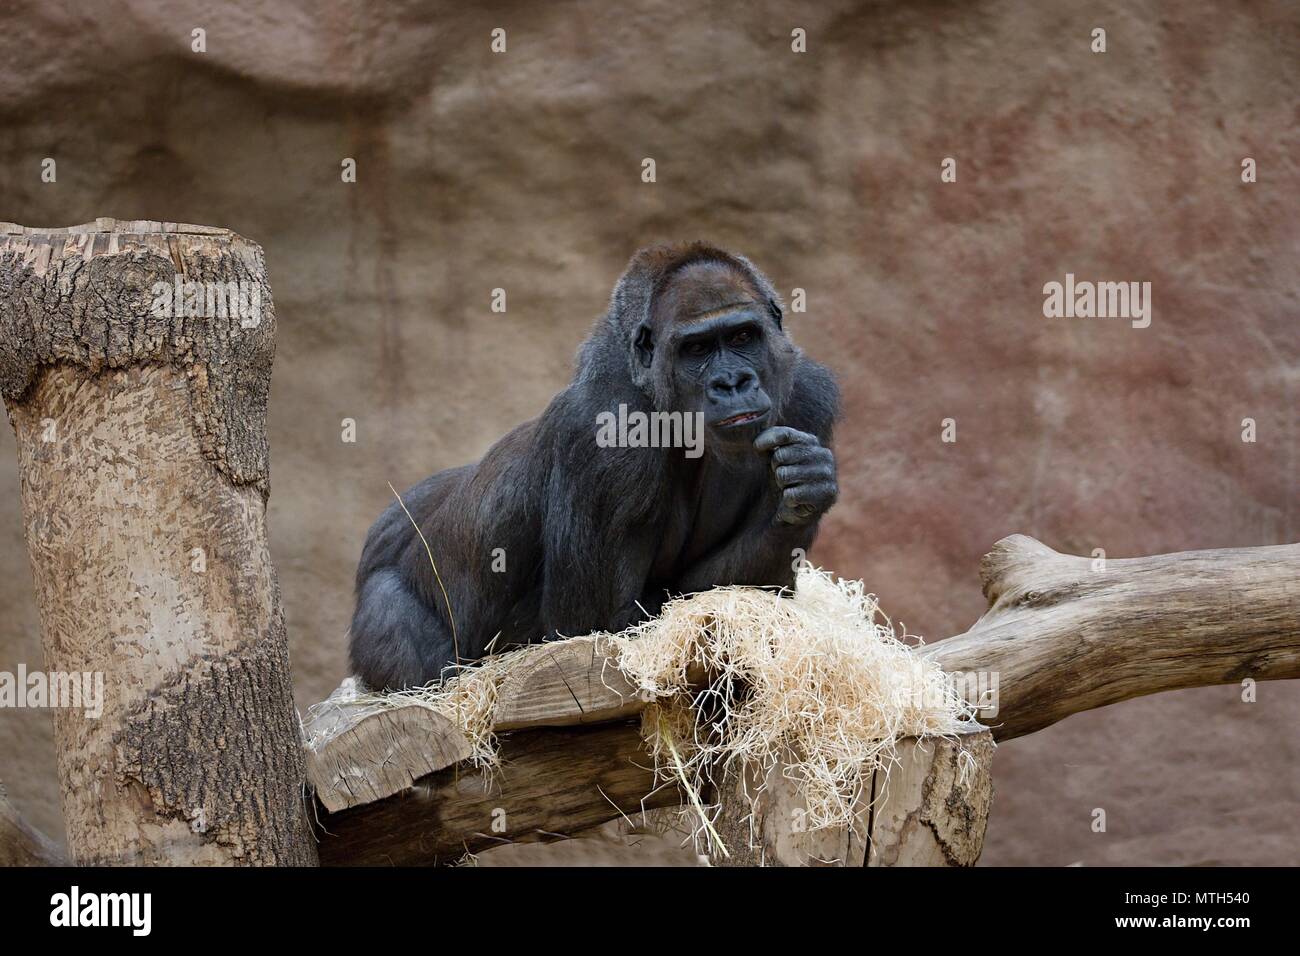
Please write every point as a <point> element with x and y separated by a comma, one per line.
<point>599,539</point>
<point>402,633</point>
<point>777,533</point>
<point>398,638</point>
<point>763,553</point>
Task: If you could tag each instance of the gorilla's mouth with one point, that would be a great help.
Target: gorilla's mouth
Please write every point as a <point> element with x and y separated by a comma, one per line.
<point>744,418</point>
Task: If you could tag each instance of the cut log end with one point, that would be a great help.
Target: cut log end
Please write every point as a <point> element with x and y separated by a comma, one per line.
<point>360,752</point>
<point>564,683</point>
<point>111,295</point>
<point>109,224</point>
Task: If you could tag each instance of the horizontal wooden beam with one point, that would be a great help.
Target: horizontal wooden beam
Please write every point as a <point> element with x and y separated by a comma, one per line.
<point>566,682</point>
<point>553,783</point>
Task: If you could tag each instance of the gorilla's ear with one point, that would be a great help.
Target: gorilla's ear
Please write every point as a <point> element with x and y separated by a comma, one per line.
<point>775,309</point>
<point>644,345</point>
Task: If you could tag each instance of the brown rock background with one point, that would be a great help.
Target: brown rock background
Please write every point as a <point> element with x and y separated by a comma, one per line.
<point>522,171</point>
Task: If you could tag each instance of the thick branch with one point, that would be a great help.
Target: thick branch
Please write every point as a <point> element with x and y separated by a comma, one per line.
<point>553,783</point>
<point>1065,634</point>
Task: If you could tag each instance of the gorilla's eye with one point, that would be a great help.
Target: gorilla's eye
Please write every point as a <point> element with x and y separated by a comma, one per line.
<point>697,349</point>
<point>743,337</point>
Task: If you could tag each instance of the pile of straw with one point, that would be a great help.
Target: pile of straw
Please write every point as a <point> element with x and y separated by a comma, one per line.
<point>819,682</point>
<point>466,695</point>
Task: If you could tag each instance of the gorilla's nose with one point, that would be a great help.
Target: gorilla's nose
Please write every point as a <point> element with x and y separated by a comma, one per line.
<point>727,385</point>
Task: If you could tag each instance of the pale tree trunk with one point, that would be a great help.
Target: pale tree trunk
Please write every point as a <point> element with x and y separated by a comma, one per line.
<point>143,458</point>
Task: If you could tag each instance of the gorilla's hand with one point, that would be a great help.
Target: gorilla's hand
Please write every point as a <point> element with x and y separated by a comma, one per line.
<point>805,473</point>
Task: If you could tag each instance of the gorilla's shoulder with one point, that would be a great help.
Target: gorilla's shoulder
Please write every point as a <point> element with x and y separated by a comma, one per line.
<point>814,404</point>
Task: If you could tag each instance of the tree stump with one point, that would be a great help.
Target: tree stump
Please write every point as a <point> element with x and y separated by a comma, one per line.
<point>140,416</point>
<point>930,808</point>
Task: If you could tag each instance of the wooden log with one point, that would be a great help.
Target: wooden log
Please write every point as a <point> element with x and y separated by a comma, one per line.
<point>1065,634</point>
<point>141,425</point>
<point>566,682</point>
<point>929,807</point>
<point>932,807</point>
<point>21,844</point>
<point>553,783</point>
<point>1062,635</point>
<point>358,753</point>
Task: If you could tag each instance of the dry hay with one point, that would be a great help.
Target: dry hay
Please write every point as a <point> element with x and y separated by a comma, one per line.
<point>819,682</point>
<point>466,696</point>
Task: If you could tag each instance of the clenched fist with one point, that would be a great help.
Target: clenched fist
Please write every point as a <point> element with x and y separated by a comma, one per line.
<point>805,473</point>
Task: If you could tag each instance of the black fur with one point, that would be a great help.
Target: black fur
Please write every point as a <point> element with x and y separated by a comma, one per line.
<point>595,538</point>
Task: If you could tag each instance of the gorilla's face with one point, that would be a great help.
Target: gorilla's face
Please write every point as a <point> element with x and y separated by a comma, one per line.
<point>718,349</point>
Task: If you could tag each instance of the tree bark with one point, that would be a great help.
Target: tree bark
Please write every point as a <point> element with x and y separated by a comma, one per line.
<point>142,452</point>
<point>761,822</point>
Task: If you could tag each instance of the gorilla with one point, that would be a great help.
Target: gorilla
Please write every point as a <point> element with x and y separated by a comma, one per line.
<point>558,531</point>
